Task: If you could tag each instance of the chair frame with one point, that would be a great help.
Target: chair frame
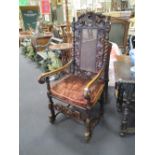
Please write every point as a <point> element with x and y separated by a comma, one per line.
<point>77,113</point>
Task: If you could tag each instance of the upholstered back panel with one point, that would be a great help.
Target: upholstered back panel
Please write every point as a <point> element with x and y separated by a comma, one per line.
<point>90,42</point>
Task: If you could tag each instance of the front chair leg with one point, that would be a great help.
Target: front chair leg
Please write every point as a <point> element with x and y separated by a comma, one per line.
<point>51,108</point>
<point>88,132</point>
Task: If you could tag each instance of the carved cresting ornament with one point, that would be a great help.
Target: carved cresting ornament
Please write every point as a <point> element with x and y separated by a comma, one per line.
<point>91,19</point>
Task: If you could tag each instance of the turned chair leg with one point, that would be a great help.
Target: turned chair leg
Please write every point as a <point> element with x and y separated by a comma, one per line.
<point>51,108</point>
<point>90,123</point>
<point>88,132</point>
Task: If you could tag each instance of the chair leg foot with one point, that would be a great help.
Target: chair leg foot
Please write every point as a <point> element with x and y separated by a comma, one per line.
<point>52,119</point>
<point>122,134</point>
<point>53,116</point>
<point>88,132</point>
<point>87,136</point>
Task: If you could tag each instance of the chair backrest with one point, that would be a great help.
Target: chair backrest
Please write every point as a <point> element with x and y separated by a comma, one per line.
<point>90,43</point>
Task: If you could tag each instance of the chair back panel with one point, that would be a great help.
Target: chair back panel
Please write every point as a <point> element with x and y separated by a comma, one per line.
<point>88,50</point>
<point>91,34</point>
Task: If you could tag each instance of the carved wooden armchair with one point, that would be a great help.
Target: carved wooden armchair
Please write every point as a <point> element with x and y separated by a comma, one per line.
<point>85,77</point>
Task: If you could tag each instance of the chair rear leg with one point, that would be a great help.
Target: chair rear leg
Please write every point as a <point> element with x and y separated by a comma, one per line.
<point>51,108</point>
<point>101,104</point>
<point>105,96</point>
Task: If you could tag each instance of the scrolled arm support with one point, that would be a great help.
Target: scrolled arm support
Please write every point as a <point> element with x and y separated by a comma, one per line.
<point>87,91</point>
<point>43,76</point>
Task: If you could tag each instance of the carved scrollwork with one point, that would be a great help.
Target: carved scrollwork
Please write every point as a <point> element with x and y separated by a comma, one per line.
<point>91,20</point>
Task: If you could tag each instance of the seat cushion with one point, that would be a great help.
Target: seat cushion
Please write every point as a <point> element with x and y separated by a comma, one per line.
<point>71,89</point>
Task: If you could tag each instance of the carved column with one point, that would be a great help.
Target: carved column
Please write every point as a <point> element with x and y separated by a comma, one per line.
<point>51,104</point>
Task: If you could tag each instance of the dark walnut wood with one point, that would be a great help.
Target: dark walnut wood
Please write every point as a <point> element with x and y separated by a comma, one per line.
<point>95,29</point>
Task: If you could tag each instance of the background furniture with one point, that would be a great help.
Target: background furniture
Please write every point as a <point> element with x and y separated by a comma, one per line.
<point>132,26</point>
<point>66,35</point>
<point>47,28</point>
<point>85,78</point>
<point>119,14</point>
<point>125,94</point>
<point>39,41</point>
<point>124,4</point>
<point>68,30</point>
<point>119,33</point>
<point>65,49</point>
<point>24,35</point>
<point>41,45</point>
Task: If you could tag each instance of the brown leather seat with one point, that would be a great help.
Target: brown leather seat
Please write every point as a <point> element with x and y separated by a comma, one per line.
<point>71,89</point>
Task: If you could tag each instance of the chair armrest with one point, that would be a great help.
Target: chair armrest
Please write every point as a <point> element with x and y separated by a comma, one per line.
<point>90,83</point>
<point>43,76</point>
